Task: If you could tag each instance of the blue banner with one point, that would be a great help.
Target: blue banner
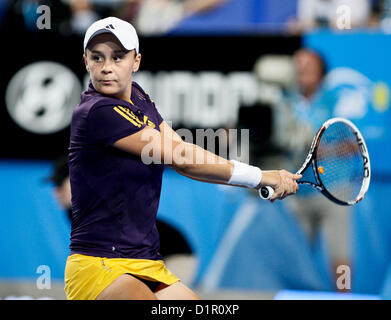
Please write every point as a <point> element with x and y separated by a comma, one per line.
<point>359,79</point>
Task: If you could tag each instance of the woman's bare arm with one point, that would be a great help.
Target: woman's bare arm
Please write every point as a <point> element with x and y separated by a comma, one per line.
<point>192,161</point>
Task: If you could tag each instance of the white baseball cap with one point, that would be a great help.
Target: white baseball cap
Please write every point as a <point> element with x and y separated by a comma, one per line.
<point>124,32</point>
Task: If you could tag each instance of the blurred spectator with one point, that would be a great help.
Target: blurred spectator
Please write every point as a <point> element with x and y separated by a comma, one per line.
<point>83,15</point>
<point>160,16</point>
<point>85,12</point>
<point>154,17</point>
<point>22,15</point>
<point>307,106</point>
<point>62,187</point>
<point>336,14</point>
<point>29,12</point>
<point>377,14</point>
<point>301,112</point>
<point>383,10</point>
<point>149,17</point>
<point>127,10</point>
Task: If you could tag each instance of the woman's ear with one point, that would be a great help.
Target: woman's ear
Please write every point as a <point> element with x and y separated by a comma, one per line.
<point>85,62</point>
<point>137,61</point>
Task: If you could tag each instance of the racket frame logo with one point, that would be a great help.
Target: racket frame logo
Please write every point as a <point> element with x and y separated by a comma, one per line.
<point>364,154</point>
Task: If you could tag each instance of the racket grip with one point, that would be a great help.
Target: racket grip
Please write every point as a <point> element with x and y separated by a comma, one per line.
<point>266,192</point>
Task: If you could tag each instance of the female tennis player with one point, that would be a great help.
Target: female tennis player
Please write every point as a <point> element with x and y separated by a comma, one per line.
<point>115,194</point>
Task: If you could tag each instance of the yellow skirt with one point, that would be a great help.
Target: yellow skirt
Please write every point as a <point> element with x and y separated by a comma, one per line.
<point>87,276</point>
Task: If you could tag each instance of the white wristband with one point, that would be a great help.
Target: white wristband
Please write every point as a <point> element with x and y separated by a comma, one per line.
<point>245,175</point>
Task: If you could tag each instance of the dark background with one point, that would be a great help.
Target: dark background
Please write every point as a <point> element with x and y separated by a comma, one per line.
<point>205,53</point>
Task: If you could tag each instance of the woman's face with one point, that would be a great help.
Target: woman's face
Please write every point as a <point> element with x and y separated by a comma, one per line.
<point>110,66</point>
<point>309,72</point>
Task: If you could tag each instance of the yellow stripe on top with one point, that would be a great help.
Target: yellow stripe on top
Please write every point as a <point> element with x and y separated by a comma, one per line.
<point>151,124</point>
<point>127,117</point>
<point>131,114</point>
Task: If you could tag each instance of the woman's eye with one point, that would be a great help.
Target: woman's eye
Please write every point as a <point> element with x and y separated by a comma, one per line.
<point>117,59</point>
<point>96,58</point>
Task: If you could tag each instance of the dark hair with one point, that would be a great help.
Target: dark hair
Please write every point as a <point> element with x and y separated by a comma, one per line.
<point>319,56</point>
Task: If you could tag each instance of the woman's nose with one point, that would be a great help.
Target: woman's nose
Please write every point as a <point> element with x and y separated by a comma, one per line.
<point>107,67</point>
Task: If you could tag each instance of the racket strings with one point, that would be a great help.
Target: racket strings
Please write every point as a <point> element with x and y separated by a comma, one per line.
<point>339,162</point>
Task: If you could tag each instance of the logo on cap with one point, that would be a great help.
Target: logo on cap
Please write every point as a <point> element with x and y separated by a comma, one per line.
<point>110,26</point>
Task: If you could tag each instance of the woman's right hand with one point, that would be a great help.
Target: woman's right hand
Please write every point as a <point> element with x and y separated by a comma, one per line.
<point>283,182</point>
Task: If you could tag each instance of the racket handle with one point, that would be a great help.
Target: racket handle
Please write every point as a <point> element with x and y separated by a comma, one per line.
<point>266,192</point>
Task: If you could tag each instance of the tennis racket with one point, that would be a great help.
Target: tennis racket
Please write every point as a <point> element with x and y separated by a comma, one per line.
<point>337,164</point>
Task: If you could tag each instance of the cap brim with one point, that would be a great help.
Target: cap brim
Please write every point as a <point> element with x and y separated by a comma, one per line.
<point>97,33</point>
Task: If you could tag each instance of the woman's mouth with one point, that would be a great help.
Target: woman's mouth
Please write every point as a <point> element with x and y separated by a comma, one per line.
<point>106,82</point>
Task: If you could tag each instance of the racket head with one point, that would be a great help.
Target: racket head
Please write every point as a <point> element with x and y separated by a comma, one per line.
<point>340,162</point>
